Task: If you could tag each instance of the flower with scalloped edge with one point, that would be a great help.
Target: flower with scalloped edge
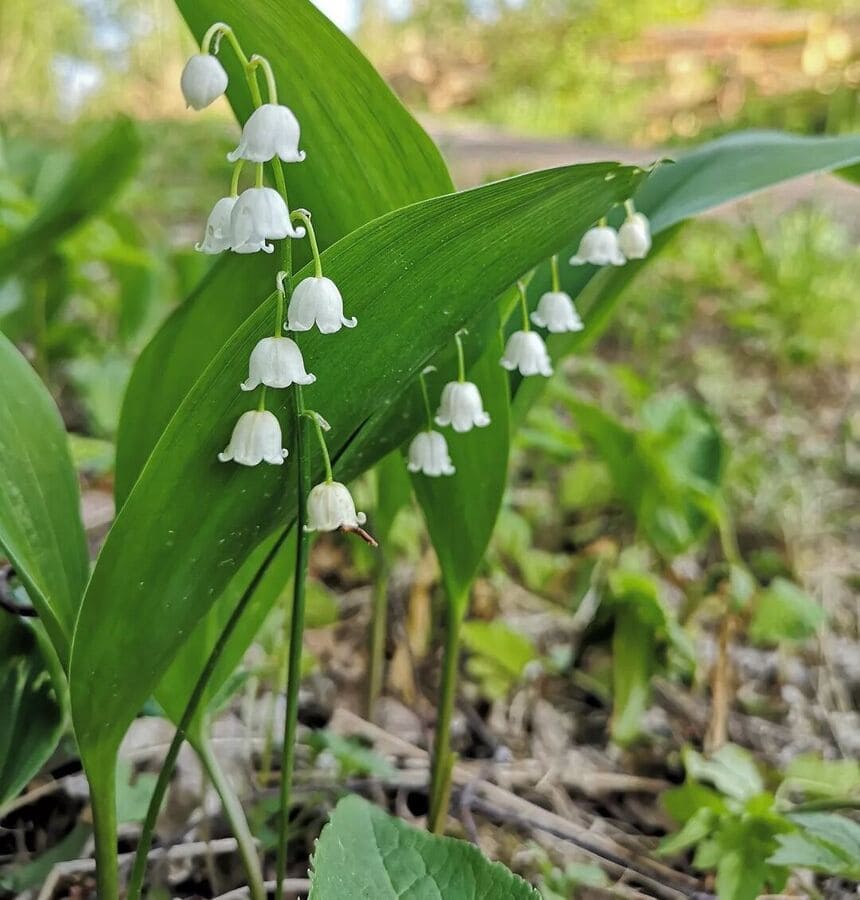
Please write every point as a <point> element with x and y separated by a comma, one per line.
<point>271,130</point>
<point>461,407</point>
<point>256,438</point>
<point>599,246</point>
<point>218,235</point>
<point>276,362</point>
<point>317,301</point>
<point>634,236</point>
<point>331,507</point>
<point>428,454</point>
<point>526,351</point>
<point>556,313</point>
<point>260,215</point>
<point>203,80</point>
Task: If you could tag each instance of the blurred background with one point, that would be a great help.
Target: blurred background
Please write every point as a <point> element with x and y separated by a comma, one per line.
<point>745,334</point>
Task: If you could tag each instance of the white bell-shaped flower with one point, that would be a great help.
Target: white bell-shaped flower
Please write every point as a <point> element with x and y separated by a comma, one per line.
<point>599,246</point>
<point>330,506</point>
<point>203,80</point>
<point>428,454</point>
<point>272,130</point>
<point>634,236</point>
<point>276,362</point>
<point>317,301</point>
<point>256,438</point>
<point>556,313</point>
<point>461,407</point>
<point>218,236</point>
<point>526,351</point>
<point>260,215</point>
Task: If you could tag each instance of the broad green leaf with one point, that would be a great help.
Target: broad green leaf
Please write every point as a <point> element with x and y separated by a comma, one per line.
<point>164,563</point>
<point>784,612</point>
<point>472,496</point>
<point>33,717</point>
<point>695,829</point>
<point>19,878</point>
<point>40,523</point>
<point>819,777</point>
<point>840,833</point>
<point>509,649</point>
<point>633,653</point>
<point>365,854</point>
<point>709,176</point>
<point>683,802</point>
<point>804,851</point>
<point>352,756</point>
<point>732,770</point>
<point>94,176</point>
<point>366,156</point>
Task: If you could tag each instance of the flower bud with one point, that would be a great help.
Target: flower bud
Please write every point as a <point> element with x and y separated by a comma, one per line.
<point>428,454</point>
<point>255,439</point>
<point>634,236</point>
<point>526,351</point>
<point>556,313</point>
<point>260,215</point>
<point>461,407</point>
<point>276,362</point>
<point>599,246</point>
<point>272,130</point>
<point>203,80</point>
<point>317,301</point>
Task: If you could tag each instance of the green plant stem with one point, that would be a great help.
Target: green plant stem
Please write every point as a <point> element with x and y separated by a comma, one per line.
<point>443,758</point>
<point>461,361</point>
<point>378,635</point>
<point>235,814</point>
<point>423,382</point>
<point>556,281</point>
<point>314,417</point>
<point>191,709</point>
<point>234,180</point>
<point>102,780</point>
<point>524,305</point>
<point>294,637</point>
<point>305,218</point>
<point>261,62</point>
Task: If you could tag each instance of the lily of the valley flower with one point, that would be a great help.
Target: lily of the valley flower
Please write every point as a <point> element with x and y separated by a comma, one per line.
<point>218,236</point>
<point>526,351</point>
<point>330,507</point>
<point>634,236</point>
<point>556,313</point>
<point>277,363</point>
<point>260,215</point>
<point>461,407</point>
<point>428,454</point>
<point>599,246</point>
<point>203,80</point>
<point>317,301</point>
<point>256,438</point>
<point>272,130</point>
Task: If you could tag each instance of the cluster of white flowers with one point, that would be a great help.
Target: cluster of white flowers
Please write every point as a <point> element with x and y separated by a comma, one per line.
<point>247,223</point>
<point>604,246</point>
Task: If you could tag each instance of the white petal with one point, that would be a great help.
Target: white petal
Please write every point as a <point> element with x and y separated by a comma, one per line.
<point>203,80</point>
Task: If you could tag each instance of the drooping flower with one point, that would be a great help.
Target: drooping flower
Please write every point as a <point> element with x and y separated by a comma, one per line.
<point>272,130</point>
<point>634,236</point>
<point>260,215</point>
<point>203,80</point>
<point>599,246</point>
<point>256,438</point>
<point>556,313</point>
<point>317,301</point>
<point>218,235</point>
<point>461,407</point>
<point>276,362</point>
<point>428,454</point>
<point>526,351</point>
<point>330,506</point>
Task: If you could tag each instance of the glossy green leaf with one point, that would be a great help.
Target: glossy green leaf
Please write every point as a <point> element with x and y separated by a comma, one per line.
<point>633,653</point>
<point>709,176</point>
<point>472,496</point>
<point>784,612</point>
<point>97,172</point>
<point>190,521</point>
<point>33,716</point>
<point>40,524</point>
<point>365,853</point>
<point>366,156</point>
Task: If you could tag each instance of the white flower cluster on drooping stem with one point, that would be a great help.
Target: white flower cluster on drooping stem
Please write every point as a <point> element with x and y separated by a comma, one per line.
<point>604,246</point>
<point>248,223</point>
